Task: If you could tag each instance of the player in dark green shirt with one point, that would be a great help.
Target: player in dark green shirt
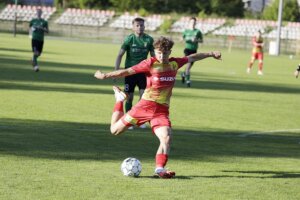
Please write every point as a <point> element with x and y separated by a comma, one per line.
<point>137,46</point>
<point>192,37</point>
<point>38,27</point>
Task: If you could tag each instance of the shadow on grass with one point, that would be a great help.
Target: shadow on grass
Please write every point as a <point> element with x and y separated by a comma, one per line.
<point>17,50</point>
<point>256,174</point>
<point>86,141</point>
<point>270,174</point>
<point>14,71</point>
<point>21,70</point>
<point>222,84</point>
<point>25,50</point>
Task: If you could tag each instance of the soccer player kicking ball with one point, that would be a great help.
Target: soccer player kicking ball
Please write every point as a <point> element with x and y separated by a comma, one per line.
<point>154,105</point>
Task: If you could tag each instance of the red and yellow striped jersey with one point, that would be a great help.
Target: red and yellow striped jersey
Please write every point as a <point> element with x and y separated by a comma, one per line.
<point>160,78</point>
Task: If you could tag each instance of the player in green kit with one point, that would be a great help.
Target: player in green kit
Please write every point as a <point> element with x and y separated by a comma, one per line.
<point>192,37</point>
<point>137,47</point>
<point>38,27</point>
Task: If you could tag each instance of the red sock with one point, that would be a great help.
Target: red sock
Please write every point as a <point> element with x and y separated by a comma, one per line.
<point>161,160</point>
<point>118,107</point>
<point>260,66</point>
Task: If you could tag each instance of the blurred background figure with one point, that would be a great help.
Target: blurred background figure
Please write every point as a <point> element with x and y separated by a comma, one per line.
<point>192,37</point>
<point>38,27</point>
<point>257,53</point>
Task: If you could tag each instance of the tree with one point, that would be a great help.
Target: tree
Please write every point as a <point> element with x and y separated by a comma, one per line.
<point>290,11</point>
<point>228,8</point>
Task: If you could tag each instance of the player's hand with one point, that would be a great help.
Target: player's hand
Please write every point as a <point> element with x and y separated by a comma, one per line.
<point>99,75</point>
<point>216,55</point>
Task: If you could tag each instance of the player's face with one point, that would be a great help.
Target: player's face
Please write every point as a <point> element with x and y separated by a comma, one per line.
<point>192,24</point>
<point>258,35</point>
<point>162,56</point>
<point>39,13</point>
<point>138,28</point>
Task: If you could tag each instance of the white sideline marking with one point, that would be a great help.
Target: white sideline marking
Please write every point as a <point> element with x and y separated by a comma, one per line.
<point>244,135</point>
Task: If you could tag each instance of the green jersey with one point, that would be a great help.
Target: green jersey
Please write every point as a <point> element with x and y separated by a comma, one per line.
<point>137,48</point>
<point>37,31</point>
<point>192,37</point>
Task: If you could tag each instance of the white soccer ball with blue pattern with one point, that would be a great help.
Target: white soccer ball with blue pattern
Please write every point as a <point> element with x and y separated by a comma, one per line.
<point>131,167</point>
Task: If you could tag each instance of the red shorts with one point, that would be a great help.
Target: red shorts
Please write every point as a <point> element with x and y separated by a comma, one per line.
<point>258,56</point>
<point>148,111</point>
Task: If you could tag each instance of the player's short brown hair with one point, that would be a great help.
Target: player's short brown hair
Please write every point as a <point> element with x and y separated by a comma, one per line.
<point>138,19</point>
<point>163,44</point>
<point>193,18</point>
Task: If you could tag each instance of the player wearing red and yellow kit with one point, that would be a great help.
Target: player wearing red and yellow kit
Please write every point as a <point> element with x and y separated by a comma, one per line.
<point>154,105</point>
<point>257,53</point>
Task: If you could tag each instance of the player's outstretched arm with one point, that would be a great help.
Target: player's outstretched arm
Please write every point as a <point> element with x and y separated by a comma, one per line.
<point>114,74</point>
<point>199,56</point>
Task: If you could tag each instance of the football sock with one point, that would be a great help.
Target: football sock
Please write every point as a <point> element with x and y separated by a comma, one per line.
<point>161,160</point>
<point>187,77</point>
<point>260,66</point>
<point>128,106</point>
<point>34,59</point>
<point>118,106</point>
<point>250,64</point>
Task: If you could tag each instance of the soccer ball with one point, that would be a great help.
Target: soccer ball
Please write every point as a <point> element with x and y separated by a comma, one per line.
<point>131,167</point>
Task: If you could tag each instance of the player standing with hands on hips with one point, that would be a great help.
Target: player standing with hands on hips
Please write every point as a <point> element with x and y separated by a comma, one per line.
<point>257,53</point>
<point>137,46</point>
<point>38,27</point>
<point>154,105</point>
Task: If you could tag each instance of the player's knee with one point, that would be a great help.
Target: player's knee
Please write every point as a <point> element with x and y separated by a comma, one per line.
<point>115,131</point>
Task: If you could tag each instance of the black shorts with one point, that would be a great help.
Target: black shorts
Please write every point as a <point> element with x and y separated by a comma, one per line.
<point>37,45</point>
<point>188,52</point>
<point>135,80</point>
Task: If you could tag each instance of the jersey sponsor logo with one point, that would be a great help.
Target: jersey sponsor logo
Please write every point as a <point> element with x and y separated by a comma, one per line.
<point>139,50</point>
<point>164,78</point>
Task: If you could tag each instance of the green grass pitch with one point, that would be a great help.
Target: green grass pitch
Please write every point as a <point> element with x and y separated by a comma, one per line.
<point>236,136</point>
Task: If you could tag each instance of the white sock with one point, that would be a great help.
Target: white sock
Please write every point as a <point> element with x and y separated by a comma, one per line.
<point>159,169</point>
